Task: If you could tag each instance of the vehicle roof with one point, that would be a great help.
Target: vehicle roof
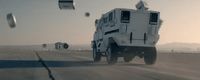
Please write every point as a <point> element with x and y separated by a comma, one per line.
<point>128,9</point>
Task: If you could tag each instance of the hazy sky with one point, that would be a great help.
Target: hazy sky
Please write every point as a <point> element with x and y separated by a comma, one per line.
<point>41,21</point>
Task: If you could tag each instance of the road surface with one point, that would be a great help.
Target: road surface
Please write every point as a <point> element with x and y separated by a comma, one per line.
<point>78,65</point>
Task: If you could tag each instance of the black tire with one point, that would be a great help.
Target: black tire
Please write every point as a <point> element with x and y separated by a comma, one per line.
<point>128,58</point>
<point>111,55</point>
<point>96,55</point>
<point>150,56</point>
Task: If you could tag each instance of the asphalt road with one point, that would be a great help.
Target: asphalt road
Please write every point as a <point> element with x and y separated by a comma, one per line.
<point>78,65</point>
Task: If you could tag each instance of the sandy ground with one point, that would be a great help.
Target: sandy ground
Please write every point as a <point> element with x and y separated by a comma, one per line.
<point>78,65</point>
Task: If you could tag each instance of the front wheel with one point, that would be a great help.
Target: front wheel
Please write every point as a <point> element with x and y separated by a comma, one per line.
<point>111,56</point>
<point>150,56</point>
<point>96,55</point>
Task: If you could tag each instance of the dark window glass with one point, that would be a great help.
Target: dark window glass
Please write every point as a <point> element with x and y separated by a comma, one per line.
<point>153,18</point>
<point>110,16</point>
<point>105,20</point>
<point>125,16</point>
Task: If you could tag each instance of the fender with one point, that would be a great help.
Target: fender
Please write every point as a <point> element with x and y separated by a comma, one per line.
<point>111,41</point>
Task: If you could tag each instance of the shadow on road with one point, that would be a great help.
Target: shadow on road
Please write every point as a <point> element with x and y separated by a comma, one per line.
<point>19,64</point>
<point>54,64</point>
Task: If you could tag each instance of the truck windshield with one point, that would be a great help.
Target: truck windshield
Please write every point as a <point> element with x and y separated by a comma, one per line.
<point>125,16</point>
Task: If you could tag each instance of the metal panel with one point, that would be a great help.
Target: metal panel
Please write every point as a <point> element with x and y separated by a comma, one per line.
<point>66,4</point>
<point>11,20</point>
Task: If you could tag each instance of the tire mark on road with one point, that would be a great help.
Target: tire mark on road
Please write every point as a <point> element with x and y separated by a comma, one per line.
<point>46,67</point>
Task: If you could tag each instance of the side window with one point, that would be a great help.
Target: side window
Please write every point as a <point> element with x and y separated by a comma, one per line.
<point>125,16</point>
<point>111,16</point>
<point>153,18</point>
<point>104,20</point>
<point>100,22</point>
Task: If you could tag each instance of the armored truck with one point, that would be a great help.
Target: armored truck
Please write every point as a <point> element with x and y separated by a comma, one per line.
<point>127,33</point>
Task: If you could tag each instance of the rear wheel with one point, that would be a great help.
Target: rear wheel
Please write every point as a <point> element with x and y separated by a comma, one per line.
<point>96,55</point>
<point>111,55</point>
<point>150,56</point>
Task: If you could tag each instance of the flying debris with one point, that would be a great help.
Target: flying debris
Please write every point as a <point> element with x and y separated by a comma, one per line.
<point>11,20</point>
<point>66,4</point>
<point>61,46</point>
<point>65,45</point>
<point>87,14</point>
<point>142,5</point>
<point>44,45</point>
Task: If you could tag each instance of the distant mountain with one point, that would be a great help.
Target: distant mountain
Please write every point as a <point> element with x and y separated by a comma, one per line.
<point>180,47</point>
<point>80,47</point>
<point>50,46</point>
<point>169,47</point>
<point>176,44</point>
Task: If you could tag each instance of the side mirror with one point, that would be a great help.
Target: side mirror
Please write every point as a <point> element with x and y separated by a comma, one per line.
<point>66,4</point>
<point>96,21</point>
<point>11,20</point>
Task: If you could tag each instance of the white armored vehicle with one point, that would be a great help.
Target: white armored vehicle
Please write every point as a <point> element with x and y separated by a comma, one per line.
<point>127,33</point>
